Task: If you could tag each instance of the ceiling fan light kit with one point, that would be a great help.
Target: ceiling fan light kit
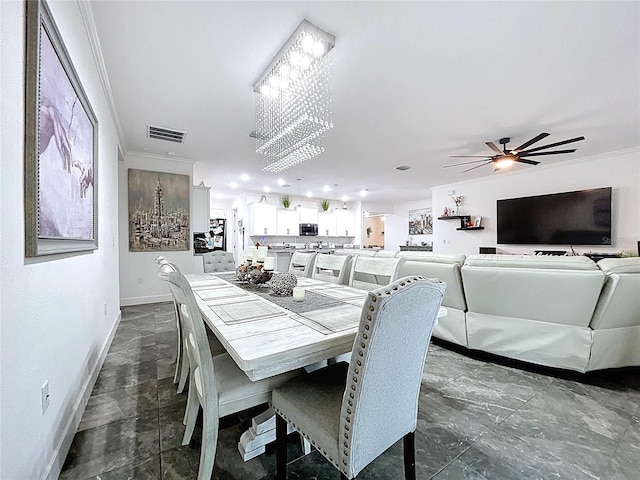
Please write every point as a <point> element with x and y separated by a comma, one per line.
<point>505,158</point>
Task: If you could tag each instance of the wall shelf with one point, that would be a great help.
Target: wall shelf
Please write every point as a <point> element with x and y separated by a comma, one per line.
<point>471,228</point>
<point>464,221</point>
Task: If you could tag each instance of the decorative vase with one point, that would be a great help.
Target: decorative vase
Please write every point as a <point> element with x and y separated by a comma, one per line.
<point>282,283</point>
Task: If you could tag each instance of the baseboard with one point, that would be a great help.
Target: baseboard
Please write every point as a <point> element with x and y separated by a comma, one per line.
<point>126,302</point>
<point>69,431</point>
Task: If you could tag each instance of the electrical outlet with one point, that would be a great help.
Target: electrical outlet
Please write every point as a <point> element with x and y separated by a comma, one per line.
<point>139,280</point>
<point>44,396</point>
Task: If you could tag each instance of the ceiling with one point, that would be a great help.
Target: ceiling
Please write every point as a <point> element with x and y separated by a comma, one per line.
<point>413,82</point>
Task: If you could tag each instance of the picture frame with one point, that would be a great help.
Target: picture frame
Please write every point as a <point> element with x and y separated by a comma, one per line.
<point>477,221</point>
<point>159,206</point>
<point>61,145</point>
<point>420,222</point>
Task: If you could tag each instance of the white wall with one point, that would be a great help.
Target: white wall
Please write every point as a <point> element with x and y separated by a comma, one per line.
<point>620,170</point>
<point>139,282</point>
<point>53,323</point>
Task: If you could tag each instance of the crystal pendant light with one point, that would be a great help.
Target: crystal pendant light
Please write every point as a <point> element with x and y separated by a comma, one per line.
<point>293,100</point>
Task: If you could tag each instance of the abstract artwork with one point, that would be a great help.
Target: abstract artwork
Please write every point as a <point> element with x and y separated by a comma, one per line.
<point>158,211</point>
<point>61,146</point>
<point>420,222</point>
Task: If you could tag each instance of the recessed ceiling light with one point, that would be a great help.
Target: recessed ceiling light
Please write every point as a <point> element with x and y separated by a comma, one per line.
<point>402,168</point>
<point>233,184</point>
<point>267,189</point>
<point>363,193</point>
<point>344,198</point>
<point>326,188</point>
<point>244,177</point>
<point>309,194</point>
<point>281,182</point>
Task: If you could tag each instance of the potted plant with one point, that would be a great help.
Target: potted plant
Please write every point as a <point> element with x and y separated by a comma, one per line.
<point>286,201</point>
<point>325,205</point>
<point>369,230</point>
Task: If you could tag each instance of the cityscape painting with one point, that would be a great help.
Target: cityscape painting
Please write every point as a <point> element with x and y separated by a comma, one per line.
<point>420,222</point>
<point>158,211</point>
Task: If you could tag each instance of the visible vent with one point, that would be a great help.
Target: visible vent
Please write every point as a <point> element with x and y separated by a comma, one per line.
<point>403,167</point>
<point>160,133</point>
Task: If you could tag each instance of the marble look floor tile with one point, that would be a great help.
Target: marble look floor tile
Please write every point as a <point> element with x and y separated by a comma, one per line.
<point>436,447</point>
<point>114,405</point>
<point>168,393</point>
<point>625,462</point>
<point>123,358</point>
<point>172,429</point>
<point>111,446</point>
<point>128,343</point>
<point>458,470</point>
<point>148,469</point>
<point>124,376</point>
<point>165,368</point>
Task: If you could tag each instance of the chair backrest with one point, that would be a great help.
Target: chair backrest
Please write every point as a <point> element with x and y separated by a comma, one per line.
<point>386,369</point>
<point>368,273</point>
<point>386,253</point>
<point>218,261</point>
<point>331,268</point>
<point>302,263</point>
<point>194,333</point>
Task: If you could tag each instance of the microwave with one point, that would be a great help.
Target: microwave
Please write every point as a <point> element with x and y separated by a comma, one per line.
<point>308,229</point>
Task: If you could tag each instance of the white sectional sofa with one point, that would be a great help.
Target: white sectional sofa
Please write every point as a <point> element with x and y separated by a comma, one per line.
<point>562,312</point>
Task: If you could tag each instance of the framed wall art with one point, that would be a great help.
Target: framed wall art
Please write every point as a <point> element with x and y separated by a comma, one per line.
<point>158,211</point>
<point>420,222</point>
<point>61,145</point>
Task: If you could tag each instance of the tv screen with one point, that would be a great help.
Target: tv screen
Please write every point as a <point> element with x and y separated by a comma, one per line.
<point>568,218</point>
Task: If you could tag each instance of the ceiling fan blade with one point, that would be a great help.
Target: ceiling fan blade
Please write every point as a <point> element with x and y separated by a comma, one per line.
<point>465,163</point>
<point>537,154</point>
<point>470,156</point>
<point>494,147</point>
<point>530,142</point>
<point>477,166</point>
<point>530,162</point>
<point>557,144</point>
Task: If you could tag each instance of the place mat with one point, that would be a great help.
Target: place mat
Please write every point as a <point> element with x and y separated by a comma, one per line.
<point>332,320</point>
<point>246,311</point>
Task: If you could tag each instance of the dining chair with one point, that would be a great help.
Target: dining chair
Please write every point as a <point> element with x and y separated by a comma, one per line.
<point>331,268</point>
<point>216,383</point>
<point>368,273</point>
<point>352,412</point>
<point>218,261</point>
<point>302,263</point>
<point>181,373</point>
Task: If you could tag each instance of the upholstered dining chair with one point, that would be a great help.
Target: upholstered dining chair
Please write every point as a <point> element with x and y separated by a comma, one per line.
<point>181,373</point>
<point>331,268</point>
<point>218,261</point>
<point>368,273</point>
<point>215,383</point>
<point>351,413</point>
<point>302,263</point>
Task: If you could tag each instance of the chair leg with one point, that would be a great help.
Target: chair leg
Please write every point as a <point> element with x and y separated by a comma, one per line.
<point>191,414</point>
<point>281,448</point>
<point>210,425</point>
<point>184,370</point>
<point>409,443</point>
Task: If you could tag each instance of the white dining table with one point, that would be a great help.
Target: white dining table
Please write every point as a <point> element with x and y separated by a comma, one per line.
<point>267,335</point>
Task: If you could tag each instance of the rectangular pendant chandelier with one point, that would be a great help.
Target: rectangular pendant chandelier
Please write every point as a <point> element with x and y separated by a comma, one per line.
<point>293,100</point>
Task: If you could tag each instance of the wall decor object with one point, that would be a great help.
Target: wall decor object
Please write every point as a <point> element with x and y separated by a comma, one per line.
<point>158,211</point>
<point>420,222</point>
<point>61,145</point>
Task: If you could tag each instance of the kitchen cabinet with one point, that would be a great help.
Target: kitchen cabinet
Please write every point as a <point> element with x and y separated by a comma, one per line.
<point>288,223</point>
<point>345,223</point>
<point>326,224</point>
<point>307,215</point>
<point>263,219</point>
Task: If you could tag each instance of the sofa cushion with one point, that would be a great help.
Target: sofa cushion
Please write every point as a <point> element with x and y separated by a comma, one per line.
<point>532,261</point>
<point>620,265</point>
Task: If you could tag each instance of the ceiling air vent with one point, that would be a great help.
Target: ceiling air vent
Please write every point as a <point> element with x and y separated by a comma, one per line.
<point>167,134</point>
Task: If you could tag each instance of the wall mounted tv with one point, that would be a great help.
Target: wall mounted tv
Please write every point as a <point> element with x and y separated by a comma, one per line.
<point>568,218</point>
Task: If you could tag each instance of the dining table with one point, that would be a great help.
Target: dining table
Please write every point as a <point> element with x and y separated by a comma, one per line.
<point>268,334</point>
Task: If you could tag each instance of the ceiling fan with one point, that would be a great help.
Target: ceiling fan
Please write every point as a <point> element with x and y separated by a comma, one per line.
<point>504,157</point>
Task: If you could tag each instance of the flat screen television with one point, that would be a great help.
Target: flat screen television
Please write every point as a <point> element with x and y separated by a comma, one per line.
<point>568,218</point>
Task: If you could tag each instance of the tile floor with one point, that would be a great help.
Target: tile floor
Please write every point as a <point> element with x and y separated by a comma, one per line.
<point>479,418</point>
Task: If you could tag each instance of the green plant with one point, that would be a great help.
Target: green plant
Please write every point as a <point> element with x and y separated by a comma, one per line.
<point>325,205</point>
<point>369,230</point>
<point>628,253</point>
<point>286,201</point>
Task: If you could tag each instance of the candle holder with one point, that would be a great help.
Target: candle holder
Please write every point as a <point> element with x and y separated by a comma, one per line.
<point>254,274</point>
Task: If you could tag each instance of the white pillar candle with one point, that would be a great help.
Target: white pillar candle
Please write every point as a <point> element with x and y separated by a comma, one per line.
<point>253,251</point>
<point>262,253</point>
<point>269,263</point>
<point>298,294</point>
